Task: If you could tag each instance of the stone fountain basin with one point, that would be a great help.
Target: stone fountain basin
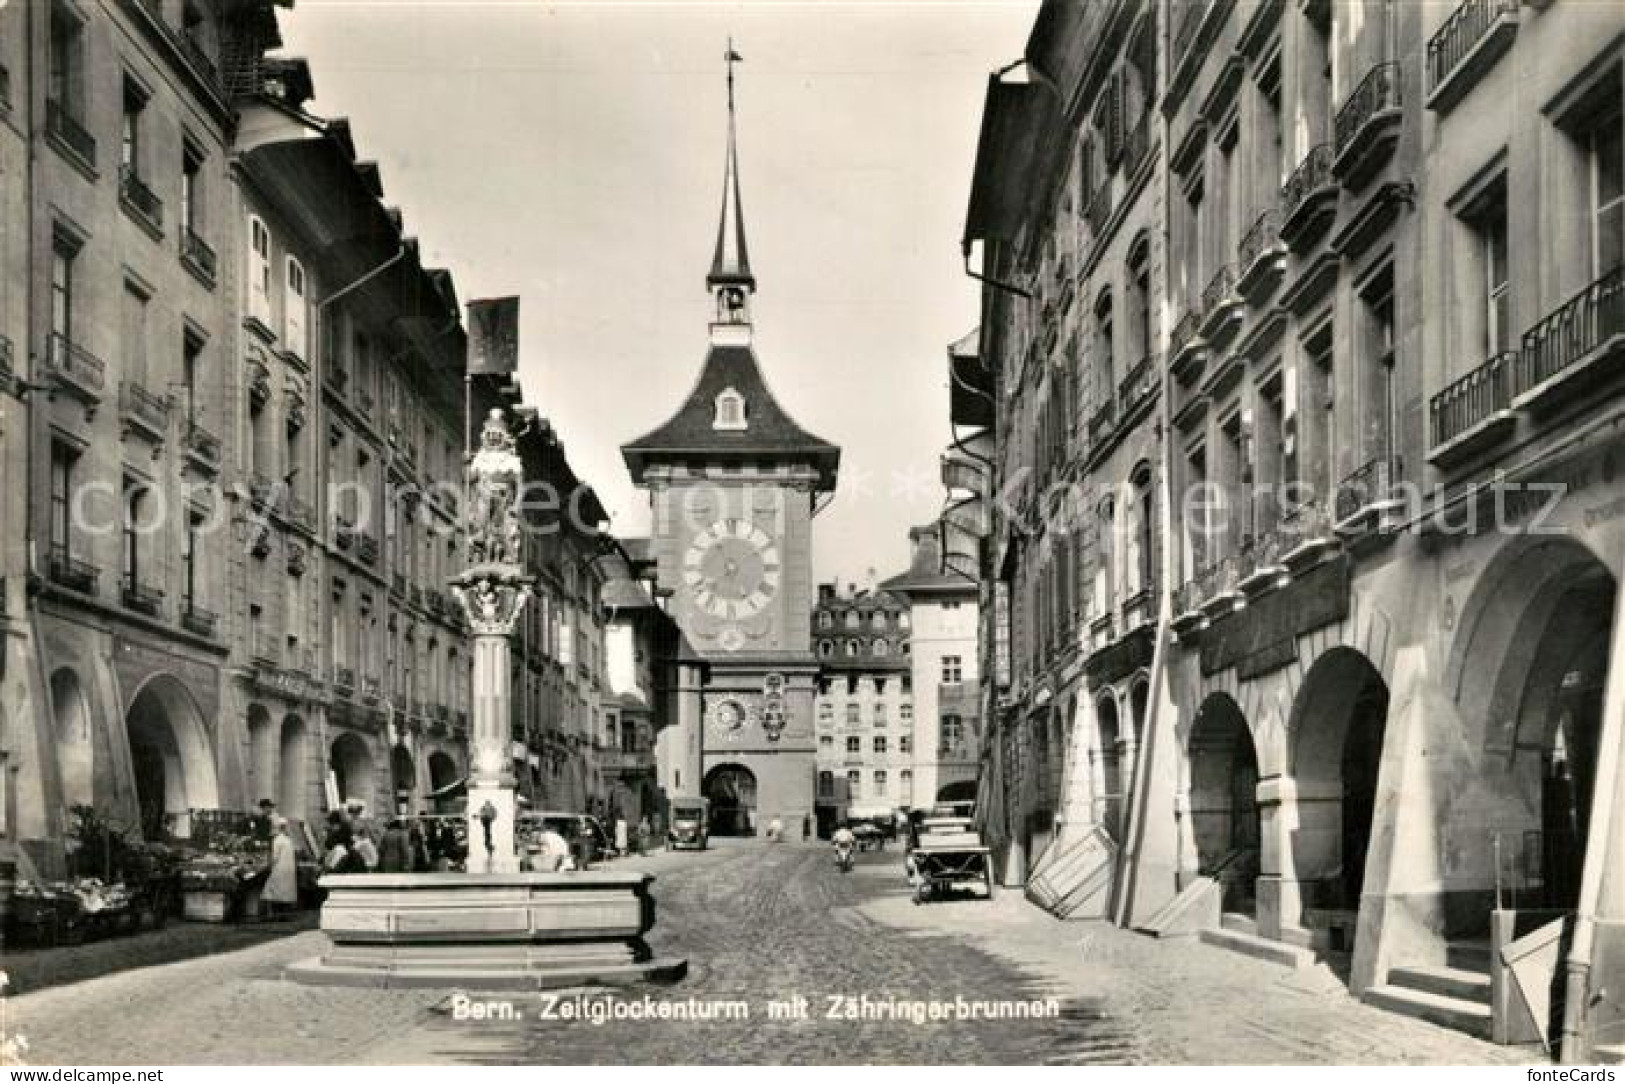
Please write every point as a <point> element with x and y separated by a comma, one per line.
<point>487,931</point>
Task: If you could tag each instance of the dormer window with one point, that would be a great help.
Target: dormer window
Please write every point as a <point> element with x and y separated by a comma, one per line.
<point>730,414</point>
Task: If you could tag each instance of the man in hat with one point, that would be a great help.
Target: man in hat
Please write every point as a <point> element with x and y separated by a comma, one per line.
<point>262,826</point>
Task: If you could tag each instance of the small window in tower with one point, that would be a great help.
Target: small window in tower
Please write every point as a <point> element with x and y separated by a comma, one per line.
<point>730,410</point>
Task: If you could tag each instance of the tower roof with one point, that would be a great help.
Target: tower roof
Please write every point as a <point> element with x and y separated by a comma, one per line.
<point>768,431</point>
<point>730,262</point>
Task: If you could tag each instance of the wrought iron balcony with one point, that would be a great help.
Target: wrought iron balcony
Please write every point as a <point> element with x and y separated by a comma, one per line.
<point>142,410</point>
<point>140,200</point>
<point>1307,534</point>
<point>196,619</point>
<point>1473,38</point>
<point>202,448</point>
<point>1367,494</point>
<point>265,654</point>
<point>1186,347</point>
<point>1308,199</point>
<point>197,254</point>
<point>1139,385</point>
<point>75,368</point>
<point>1221,304</point>
<point>1367,127</point>
<point>1560,351</point>
<point>72,572</point>
<point>1261,257</point>
<point>141,598</point>
<point>66,130</point>
<point>1480,397</point>
<point>960,473</point>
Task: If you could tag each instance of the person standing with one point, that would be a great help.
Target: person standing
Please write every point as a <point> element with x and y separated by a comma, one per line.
<point>621,841</point>
<point>281,892</point>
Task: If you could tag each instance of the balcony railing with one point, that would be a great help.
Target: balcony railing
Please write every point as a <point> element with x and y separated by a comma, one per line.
<point>1185,332</point>
<point>139,198</point>
<point>143,409</point>
<point>62,125</point>
<point>1220,291</point>
<point>1575,331</point>
<point>1208,583</point>
<point>1377,92</point>
<point>75,367</point>
<point>1461,34</point>
<point>1263,237</point>
<point>1371,485</point>
<point>196,619</point>
<point>197,253</point>
<point>1140,383</point>
<point>1474,398</point>
<point>203,446</point>
<point>70,571</point>
<point>141,598</point>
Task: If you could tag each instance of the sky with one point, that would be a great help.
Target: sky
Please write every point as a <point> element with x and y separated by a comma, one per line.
<point>572,154</point>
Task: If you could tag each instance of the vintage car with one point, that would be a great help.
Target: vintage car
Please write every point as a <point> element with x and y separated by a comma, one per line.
<point>690,824</point>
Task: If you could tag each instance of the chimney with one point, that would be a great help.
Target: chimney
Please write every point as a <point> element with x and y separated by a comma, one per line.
<point>826,592</point>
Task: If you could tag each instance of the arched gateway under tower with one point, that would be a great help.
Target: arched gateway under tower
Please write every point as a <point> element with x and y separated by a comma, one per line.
<point>734,483</point>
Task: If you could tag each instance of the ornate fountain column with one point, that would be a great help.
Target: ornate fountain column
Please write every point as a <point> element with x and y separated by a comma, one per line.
<point>492,591</point>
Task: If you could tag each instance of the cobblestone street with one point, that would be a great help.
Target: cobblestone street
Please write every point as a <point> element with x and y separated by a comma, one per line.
<point>758,922</point>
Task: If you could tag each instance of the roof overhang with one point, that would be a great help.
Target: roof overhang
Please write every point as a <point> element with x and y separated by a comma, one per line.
<point>1014,119</point>
<point>970,384</point>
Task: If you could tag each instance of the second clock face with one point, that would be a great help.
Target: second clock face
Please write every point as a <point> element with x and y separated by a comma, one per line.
<point>732,569</point>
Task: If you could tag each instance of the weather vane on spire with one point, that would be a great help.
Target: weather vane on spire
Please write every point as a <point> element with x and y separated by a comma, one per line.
<point>730,277</point>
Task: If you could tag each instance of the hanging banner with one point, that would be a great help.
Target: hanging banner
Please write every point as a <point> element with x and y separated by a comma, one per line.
<point>493,336</point>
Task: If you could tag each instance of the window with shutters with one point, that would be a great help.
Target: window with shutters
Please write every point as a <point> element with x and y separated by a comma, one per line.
<point>259,271</point>
<point>294,309</point>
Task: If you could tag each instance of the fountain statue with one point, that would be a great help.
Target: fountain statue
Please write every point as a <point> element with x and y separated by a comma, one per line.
<point>492,926</point>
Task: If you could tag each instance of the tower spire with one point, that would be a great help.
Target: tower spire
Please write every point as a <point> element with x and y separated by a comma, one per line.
<point>730,278</point>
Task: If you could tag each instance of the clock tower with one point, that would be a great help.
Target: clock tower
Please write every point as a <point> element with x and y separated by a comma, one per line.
<point>733,486</point>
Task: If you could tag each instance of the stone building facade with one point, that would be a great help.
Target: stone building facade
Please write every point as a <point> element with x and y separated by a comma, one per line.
<point>226,395</point>
<point>1384,701</point>
<point>865,704</point>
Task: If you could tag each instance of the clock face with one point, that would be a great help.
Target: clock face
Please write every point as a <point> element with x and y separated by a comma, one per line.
<point>732,569</point>
<point>729,720</point>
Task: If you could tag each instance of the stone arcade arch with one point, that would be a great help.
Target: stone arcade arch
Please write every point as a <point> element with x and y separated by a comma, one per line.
<point>1339,720</point>
<point>171,757</point>
<point>264,754</point>
<point>1223,804</point>
<point>443,775</point>
<point>292,795</point>
<point>352,766</point>
<point>75,744</point>
<point>1529,667</point>
<point>403,777</point>
<point>1110,784</point>
<point>732,791</point>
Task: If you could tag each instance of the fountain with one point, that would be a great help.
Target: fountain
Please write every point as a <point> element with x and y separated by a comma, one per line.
<point>492,927</point>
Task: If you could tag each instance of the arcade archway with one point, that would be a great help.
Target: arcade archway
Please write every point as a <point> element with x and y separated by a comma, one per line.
<point>1108,768</point>
<point>291,777</point>
<point>403,777</point>
<point>264,754</point>
<point>1339,721</point>
<point>443,780</point>
<point>731,789</point>
<point>1224,820</point>
<point>75,746</point>
<point>1541,623</point>
<point>171,757</point>
<point>352,767</point>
